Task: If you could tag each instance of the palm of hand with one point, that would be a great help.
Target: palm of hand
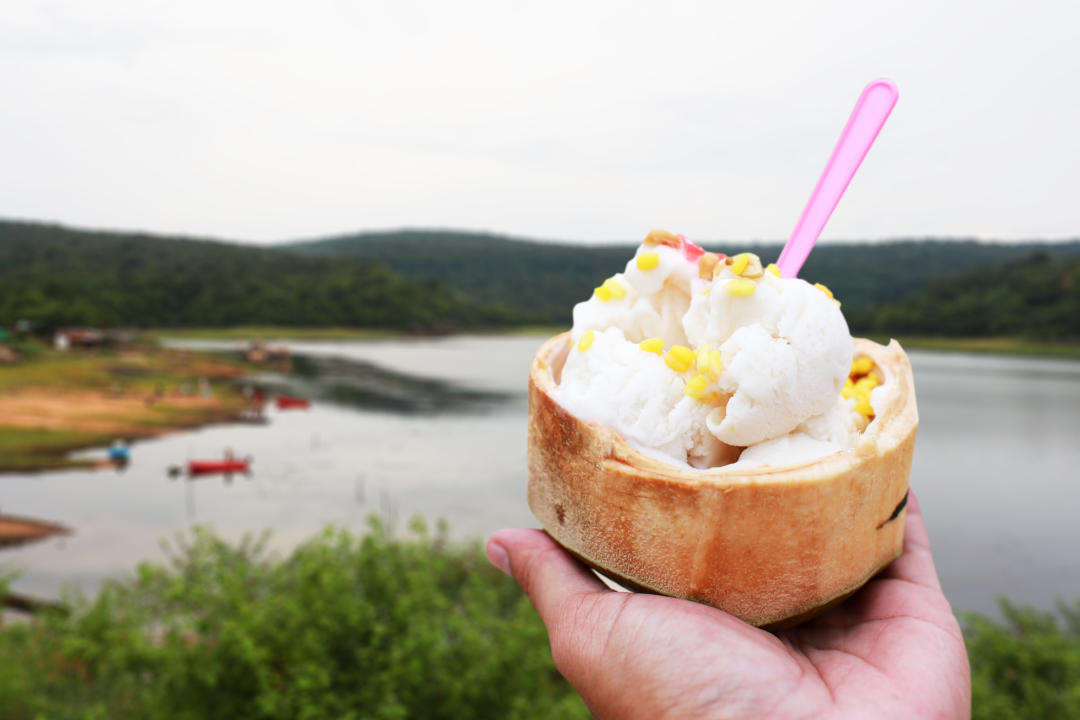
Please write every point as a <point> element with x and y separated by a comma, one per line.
<point>892,650</point>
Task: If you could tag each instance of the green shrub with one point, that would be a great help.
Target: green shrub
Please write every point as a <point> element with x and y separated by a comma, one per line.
<point>1027,666</point>
<point>371,627</point>
<point>345,627</point>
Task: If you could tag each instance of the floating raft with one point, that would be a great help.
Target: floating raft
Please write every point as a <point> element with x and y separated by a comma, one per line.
<point>18,530</point>
<point>205,467</point>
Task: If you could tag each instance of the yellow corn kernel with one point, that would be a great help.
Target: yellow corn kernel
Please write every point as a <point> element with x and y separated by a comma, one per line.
<point>773,268</point>
<point>701,359</point>
<point>716,364</point>
<point>738,264</point>
<point>648,261</point>
<point>849,389</point>
<point>603,293</point>
<point>868,383</point>
<point>696,387</point>
<point>679,358</point>
<point>740,286</point>
<point>615,288</point>
<point>861,365</point>
<point>863,408</point>
<point>586,340</point>
<point>653,345</point>
<point>824,289</point>
<point>709,362</point>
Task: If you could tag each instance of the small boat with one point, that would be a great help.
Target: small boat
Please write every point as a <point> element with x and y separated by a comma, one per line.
<point>18,530</point>
<point>288,402</point>
<point>205,467</point>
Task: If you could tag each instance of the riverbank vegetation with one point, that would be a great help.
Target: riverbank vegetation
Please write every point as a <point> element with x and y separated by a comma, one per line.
<point>374,626</point>
<point>56,401</point>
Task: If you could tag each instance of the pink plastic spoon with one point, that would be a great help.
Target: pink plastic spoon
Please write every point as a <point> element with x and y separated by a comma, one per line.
<point>871,111</point>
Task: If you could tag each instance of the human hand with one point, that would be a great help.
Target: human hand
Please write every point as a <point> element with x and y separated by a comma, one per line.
<point>892,650</point>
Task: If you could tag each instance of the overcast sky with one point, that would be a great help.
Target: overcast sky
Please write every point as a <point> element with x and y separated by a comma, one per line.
<point>259,121</point>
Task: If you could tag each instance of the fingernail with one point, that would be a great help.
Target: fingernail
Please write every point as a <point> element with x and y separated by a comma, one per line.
<point>496,553</point>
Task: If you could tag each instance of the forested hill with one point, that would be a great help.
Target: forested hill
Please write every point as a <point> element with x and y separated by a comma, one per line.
<point>435,281</point>
<point>59,276</point>
<point>1037,296</point>
<point>549,278</point>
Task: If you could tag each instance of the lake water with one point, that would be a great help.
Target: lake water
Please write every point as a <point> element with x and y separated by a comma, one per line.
<point>995,467</point>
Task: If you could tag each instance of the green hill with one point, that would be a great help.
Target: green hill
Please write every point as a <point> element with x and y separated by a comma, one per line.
<point>1036,297</point>
<point>549,278</point>
<point>436,280</point>
<point>59,276</point>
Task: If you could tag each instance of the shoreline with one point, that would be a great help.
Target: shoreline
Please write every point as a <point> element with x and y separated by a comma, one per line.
<point>985,345</point>
<point>59,403</point>
<point>1004,346</point>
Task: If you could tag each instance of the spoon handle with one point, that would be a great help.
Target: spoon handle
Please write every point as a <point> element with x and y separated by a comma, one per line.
<point>871,111</point>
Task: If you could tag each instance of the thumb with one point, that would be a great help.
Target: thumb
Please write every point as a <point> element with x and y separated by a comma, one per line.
<point>549,576</point>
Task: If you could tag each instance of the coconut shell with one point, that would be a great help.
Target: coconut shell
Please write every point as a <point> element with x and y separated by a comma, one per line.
<point>772,545</point>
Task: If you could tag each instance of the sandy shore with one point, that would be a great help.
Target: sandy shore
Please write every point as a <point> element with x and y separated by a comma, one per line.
<point>67,401</point>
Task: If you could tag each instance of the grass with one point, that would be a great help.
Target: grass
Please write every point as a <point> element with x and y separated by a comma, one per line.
<point>280,333</point>
<point>995,346</point>
<point>275,333</point>
<point>39,449</point>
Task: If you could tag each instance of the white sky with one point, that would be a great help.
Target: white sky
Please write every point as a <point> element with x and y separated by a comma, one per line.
<point>262,121</point>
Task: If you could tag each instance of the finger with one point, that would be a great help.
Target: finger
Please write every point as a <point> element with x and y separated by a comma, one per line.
<point>547,574</point>
<point>915,564</point>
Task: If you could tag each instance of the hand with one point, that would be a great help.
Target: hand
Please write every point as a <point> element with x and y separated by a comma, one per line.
<point>892,650</point>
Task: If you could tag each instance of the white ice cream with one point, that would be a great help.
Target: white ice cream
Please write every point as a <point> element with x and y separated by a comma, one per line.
<point>615,383</point>
<point>784,350</point>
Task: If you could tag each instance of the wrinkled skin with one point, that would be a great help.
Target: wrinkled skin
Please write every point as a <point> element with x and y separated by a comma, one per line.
<point>893,650</point>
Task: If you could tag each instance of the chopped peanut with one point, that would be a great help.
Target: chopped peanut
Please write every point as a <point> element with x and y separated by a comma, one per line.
<point>707,264</point>
<point>663,237</point>
<point>753,269</point>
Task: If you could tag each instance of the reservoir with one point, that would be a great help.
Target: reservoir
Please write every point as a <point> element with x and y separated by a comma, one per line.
<point>437,427</point>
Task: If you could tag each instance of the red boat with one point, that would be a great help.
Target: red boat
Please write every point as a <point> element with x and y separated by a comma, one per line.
<point>288,402</point>
<point>203,467</point>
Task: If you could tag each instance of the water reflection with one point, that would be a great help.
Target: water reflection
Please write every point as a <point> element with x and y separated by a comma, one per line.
<point>363,385</point>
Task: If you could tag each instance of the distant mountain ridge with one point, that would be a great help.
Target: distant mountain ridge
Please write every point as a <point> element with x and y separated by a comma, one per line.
<point>549,278</point>
<point>55,276</point>
<point>434,280</point>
